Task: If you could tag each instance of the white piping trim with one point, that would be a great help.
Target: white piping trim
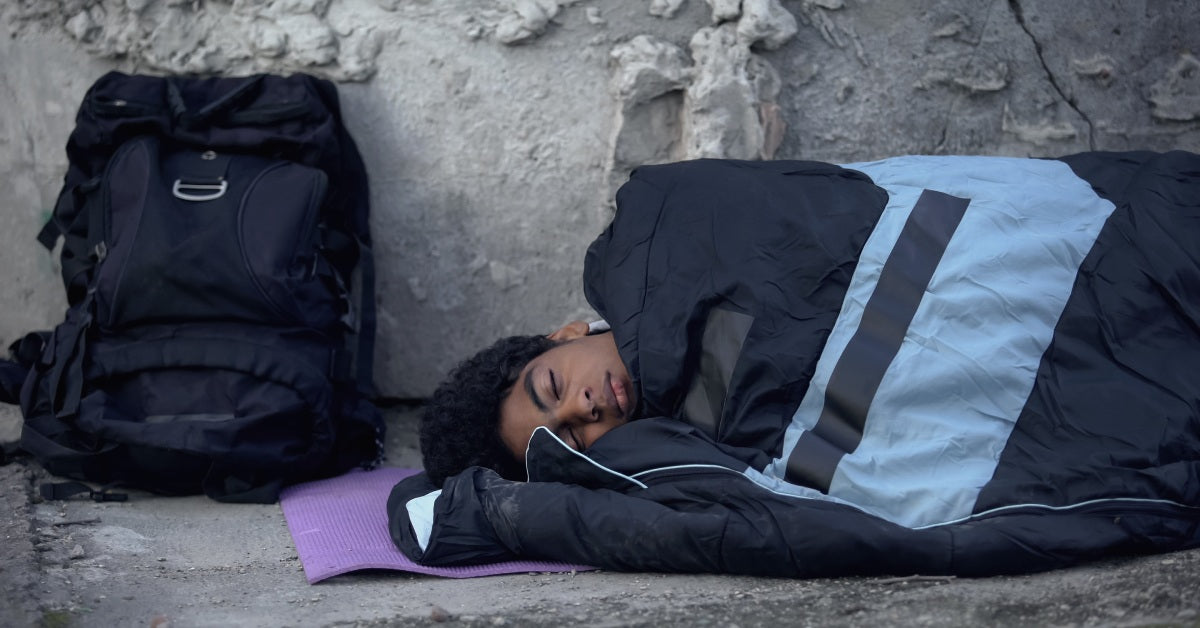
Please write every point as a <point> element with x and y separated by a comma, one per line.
<point>974,515</point>
<point>568,448</point>
<point>687,466</point>
<point>1048,507</point>
<point>771,490</point>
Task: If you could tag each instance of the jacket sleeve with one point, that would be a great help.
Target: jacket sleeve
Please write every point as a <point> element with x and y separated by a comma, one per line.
<point>480,517</point>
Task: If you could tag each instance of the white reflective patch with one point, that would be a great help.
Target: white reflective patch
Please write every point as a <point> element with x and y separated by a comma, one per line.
<point>420,516</point>
<point>953,392</point>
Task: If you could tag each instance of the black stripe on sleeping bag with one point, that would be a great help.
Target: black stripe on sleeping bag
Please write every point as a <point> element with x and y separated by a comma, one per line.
<point>874,345</point>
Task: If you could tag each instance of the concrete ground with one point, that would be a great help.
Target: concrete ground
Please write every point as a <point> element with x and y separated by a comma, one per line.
<point>155,561</point>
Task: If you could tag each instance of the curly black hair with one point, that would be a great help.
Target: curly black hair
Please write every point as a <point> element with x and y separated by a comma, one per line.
<point>460,425</point>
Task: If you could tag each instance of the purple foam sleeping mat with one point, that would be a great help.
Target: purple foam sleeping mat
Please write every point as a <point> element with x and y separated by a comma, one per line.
<point>340,525</point>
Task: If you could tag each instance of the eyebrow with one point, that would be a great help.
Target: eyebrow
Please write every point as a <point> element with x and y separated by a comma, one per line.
<point>537,401</point>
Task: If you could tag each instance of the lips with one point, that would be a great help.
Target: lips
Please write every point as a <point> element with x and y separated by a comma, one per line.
<point>617,394</point>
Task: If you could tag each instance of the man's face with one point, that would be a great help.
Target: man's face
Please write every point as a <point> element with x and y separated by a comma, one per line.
<point>580,389</point>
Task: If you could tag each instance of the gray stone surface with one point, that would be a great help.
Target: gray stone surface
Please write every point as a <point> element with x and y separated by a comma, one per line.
<point>495,131</point>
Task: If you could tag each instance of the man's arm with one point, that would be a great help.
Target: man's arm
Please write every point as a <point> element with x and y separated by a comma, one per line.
<point>675,527</point>
<point>719,526</point>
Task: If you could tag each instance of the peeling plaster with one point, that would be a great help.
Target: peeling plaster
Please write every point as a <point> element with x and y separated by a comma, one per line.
<point>967,73</point>
<point>525,20</point>
<point>765,23</point>
<point>722,102</point>
<point>665,8</point>
<point>958,25</point>
<point>515,22</point>
<point>243,36</point>
<point>818,14</point>
<point>1100,68</point>
<point>1041,133</point>
<point>1176,96</point>
<point>725,10</point>
<point>490,161</point>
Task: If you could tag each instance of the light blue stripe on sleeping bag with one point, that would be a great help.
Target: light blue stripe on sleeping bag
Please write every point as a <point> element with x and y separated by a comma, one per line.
<point>951,395</point>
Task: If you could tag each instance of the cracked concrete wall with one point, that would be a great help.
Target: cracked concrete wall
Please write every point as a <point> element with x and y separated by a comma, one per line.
<point>495,131</point>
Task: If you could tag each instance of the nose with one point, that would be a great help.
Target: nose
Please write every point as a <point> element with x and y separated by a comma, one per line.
<point>580,407</point>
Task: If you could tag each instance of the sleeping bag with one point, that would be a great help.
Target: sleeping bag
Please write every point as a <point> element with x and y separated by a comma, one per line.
<point>925,364</point>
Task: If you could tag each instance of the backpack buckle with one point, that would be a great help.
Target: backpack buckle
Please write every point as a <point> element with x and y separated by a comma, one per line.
<point>191,191</point>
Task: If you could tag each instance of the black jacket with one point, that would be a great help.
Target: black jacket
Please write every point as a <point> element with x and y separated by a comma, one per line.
<point>919,365</point>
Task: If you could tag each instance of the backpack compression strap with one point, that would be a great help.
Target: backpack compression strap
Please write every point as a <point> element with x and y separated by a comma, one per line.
<point>52,491</point>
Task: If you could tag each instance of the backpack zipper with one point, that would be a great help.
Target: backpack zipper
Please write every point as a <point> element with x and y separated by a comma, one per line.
<point>305,240</point>
<point>122,107</point>
<point>267,114</point>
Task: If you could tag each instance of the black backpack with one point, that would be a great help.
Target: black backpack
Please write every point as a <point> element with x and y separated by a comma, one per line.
<point>216,257</point>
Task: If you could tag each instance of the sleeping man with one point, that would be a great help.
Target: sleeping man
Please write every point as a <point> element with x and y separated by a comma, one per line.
<point>942,365</point>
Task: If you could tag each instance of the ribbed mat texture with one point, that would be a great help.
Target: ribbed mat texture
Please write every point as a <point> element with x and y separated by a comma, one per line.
<point>339,525</point>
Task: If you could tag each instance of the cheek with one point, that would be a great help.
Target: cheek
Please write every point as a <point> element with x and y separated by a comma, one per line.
<point>513,431</point>
<point>509,437</point>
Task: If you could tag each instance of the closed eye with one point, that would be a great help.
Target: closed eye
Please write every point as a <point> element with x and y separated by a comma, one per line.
<point>553,385</point>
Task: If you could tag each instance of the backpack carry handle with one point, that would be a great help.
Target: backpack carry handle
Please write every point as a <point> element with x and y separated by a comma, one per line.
<point>182,190</point>
<point>192,120</point>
